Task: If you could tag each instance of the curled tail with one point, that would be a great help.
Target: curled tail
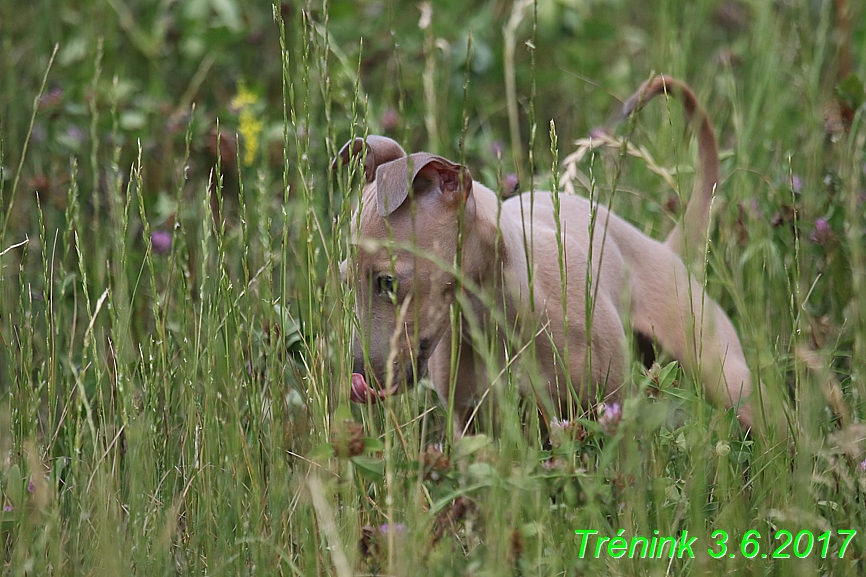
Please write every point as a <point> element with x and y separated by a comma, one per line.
<point>688,237</point>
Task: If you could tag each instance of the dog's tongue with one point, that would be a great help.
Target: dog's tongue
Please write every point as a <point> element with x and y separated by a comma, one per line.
<point>361,391</point>
<point>364,393</point>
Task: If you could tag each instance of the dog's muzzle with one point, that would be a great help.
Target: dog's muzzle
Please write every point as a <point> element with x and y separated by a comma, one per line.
<point>363,393</point>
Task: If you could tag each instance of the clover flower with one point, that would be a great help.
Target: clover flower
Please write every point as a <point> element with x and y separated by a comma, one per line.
<point>610,417</point>
<point>399,529</point>
<point>823,233</point>
<point>160,240</point>
<point>510,183</point>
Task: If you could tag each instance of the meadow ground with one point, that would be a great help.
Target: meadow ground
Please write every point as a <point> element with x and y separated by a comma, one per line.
<point>175,339</point>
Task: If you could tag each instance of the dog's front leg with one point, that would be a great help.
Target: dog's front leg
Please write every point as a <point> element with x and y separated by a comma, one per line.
<point>461,390</point>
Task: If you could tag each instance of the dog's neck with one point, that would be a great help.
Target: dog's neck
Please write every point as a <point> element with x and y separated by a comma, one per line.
<point>494,246</point>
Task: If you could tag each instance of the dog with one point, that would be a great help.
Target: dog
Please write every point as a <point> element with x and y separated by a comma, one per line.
<point>428,237</point>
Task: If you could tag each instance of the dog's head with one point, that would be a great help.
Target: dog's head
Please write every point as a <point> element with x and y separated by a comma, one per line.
<point>407,237</point>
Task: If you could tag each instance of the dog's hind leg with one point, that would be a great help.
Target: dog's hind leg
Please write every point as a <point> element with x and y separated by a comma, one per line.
<point>694,330</point>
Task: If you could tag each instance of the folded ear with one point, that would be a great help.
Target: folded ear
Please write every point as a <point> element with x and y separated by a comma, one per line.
<point>380,149</point>
<point>421,171</point>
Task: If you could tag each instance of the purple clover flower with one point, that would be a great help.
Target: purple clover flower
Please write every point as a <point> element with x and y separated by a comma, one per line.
<point>510,184</point>
<point>497,148</point>
<point>160,240</point>
<point>390,120</point>
<point>399,529</point>
<point>823,234</point>
<point>610,418</point>
<point>796,183</point>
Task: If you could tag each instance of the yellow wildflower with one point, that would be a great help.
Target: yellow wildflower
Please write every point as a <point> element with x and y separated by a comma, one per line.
<point>250,126</point>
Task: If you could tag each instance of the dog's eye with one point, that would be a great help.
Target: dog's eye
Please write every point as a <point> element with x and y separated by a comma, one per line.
<point>386,284</point>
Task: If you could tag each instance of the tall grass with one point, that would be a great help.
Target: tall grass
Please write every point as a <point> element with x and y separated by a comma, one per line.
<point>176,339</point>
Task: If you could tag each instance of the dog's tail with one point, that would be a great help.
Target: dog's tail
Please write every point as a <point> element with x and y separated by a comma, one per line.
<point>690,234</point>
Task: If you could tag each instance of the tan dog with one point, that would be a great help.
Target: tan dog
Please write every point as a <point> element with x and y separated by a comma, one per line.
<point>428,235</point>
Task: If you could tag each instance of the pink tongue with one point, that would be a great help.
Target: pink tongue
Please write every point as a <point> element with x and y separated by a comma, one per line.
<point>361,391</point>
<point>364,393</point>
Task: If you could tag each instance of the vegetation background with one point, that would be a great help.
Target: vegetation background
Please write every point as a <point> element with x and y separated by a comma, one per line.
<point>174,365</point>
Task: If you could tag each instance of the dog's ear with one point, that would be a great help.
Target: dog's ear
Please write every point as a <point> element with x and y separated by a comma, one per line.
<point>380,149</point>
<point>393,180</point>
